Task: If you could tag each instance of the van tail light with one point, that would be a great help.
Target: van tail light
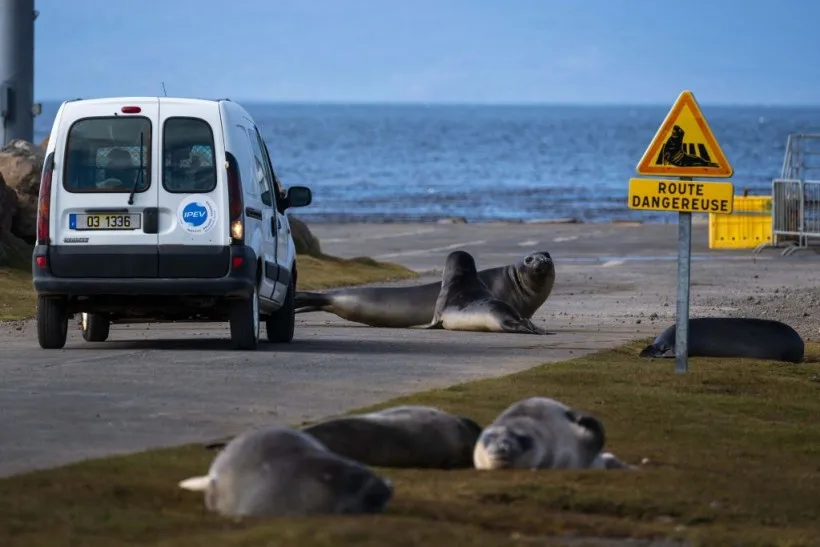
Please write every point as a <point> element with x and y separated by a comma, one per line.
<point>236,203</point>
<point>44,201</point>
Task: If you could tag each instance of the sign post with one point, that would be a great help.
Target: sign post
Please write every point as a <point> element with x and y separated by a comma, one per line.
<point>683,147</point>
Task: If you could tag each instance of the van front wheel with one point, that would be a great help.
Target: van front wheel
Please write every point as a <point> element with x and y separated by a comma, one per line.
<point>245,322</point>
<point>280,324</point>
<point>96,327</point>
<point>52,322</point>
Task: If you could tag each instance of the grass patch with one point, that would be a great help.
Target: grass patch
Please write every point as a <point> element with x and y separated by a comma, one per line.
<point>17,299</point>
<point>326,271</point>
<point>734,449</point>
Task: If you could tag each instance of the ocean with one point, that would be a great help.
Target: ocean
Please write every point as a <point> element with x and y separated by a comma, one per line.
<point>391,163</point>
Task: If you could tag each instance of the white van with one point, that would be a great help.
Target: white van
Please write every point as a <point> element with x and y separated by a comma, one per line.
<point>162,209</point>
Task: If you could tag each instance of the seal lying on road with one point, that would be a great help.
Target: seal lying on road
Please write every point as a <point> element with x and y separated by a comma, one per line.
<point>466,303</point>
<point>540,433</point>
<point>281,471</point>
<point>733,337</point>
<point>402,436</point>
<point>525,285</point>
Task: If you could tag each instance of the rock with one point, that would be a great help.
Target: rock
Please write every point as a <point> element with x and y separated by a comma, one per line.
<point>8,208</point>
<point>21,164</point>
<point>306,243</point>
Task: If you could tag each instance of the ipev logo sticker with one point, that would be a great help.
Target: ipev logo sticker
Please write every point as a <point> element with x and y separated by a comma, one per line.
<point>197,214</point>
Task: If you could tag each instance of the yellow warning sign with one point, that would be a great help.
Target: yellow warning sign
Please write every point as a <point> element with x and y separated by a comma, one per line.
<point>683,196</point>
<point>684,146</point>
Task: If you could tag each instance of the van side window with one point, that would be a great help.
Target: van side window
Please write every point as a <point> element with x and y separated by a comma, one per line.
<point>103,155</point>
<point>263,175</point>
<point>188,156</point>
<point>277,186</point>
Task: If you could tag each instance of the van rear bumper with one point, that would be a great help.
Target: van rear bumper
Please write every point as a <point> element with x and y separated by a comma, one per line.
<point>239,282</point>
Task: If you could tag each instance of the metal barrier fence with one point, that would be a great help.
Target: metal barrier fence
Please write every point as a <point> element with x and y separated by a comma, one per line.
<point>795,214</point>
<point>796,196</point>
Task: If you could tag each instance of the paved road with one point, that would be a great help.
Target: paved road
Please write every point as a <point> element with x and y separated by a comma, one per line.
<point>153,385</point>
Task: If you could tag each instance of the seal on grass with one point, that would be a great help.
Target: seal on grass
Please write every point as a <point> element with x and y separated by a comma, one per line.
<point>540,433</point>
<point>402,436</point>
<point>733,337</point>
<point>282,471</point>
<point>525,285</point>
<point>466,303</point>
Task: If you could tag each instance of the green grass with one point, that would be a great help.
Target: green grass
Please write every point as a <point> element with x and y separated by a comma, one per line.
<point>17,300</point>
<point>734,450</point>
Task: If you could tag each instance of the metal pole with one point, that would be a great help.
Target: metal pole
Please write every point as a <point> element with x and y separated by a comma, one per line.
<point>682,312</point>
<point>16,70</point>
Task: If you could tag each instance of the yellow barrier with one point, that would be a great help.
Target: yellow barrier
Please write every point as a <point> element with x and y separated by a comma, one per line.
<point>749,225</point>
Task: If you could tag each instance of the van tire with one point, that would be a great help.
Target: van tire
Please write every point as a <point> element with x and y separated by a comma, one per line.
<point>280,324</point>
<point>52,322</point>
<point>97,327</point>
<point>244,326</point>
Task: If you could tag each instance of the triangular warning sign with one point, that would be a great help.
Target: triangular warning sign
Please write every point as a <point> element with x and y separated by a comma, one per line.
<point>684,146</point>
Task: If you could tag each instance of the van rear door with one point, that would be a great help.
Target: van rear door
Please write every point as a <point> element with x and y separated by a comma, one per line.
<point>193,209</point>
<point>105,189</point>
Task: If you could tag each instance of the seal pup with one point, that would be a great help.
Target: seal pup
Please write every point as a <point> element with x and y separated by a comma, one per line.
<point>407,436</point>
<point>282,471</point>
<point>540,433</point>
<point>466,303</point>
<point>525,285</point>
<point>733,337</point>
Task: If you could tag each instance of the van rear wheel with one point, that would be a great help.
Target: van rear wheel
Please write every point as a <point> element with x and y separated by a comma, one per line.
<point>95,327</point>
<point>245,322</point>
<point>280,324</point>
<point>52,322</point>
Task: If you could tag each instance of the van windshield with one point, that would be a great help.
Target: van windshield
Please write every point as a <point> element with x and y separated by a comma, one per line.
<point>104,155</point>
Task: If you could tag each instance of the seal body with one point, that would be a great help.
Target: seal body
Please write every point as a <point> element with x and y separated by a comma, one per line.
<point>281,471</point>
<point>525,285</point>
<point>404,436</point>
<point>733,337</point>
<point>540,433</point>
<point>466,303</point>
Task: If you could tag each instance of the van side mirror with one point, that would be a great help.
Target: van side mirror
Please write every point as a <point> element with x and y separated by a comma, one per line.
<point>298,196</point>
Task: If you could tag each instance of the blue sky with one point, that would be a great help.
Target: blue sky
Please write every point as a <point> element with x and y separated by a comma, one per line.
<point>473,51</point>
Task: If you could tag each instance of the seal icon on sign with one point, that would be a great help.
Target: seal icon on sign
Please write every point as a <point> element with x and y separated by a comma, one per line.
<point>673,152</point>
<point>197,214</point>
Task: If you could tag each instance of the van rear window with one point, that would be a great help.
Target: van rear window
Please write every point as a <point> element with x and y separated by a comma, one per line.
<point>104,155</point>
<point>188,156</point>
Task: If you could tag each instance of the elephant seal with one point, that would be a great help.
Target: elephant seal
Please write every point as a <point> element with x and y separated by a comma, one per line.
<point>525,285</point>
<point>540,433</point>
<point>466,303</point>
<point>420,437</point>
<point>733,337</point>
<point>282,471</point>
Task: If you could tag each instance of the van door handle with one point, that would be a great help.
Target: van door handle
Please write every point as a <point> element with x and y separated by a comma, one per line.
<point>253,213</point>
<point>274,222</point>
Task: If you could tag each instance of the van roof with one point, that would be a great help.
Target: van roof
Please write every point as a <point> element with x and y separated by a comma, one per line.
<point>143,98</point>
<point>227,104</point>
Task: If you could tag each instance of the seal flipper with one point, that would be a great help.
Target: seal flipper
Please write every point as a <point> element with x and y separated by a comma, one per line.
<point>307,301</point>
<point>521,326</point>
<point>196,484</point>
<point>435,324</point>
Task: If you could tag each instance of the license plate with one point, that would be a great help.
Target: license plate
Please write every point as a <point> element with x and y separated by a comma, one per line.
<point>104,221</point>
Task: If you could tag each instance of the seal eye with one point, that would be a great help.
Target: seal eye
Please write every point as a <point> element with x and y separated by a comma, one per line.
<point>528,260</point>
<point>524,442</point>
